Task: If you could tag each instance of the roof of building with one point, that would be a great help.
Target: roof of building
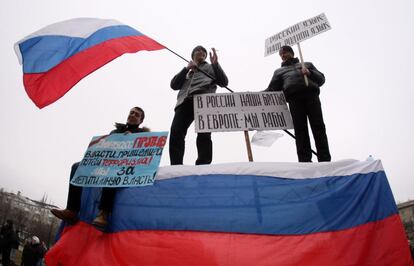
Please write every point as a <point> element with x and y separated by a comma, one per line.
<point>405,204</point>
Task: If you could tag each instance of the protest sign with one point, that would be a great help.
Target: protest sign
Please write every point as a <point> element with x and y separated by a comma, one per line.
<point>242,111</point>
<point>297,33</point>
<point>121,160</point>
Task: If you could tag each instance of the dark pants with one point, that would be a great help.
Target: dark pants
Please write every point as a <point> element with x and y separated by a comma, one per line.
<point>304,107</point>
<point>5,258</point>
<point>75,192</point>
<point>75,195</point>
<point>184,116</point>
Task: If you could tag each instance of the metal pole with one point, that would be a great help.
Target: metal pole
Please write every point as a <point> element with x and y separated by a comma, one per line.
<point>205,73</point>
<point>293,136</point>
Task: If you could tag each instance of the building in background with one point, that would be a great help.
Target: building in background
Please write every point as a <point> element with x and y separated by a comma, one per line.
<point>406,210</point>
<point>30,217</point>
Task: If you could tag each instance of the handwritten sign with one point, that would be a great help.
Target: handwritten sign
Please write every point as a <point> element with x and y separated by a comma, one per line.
<point>243,111</point>
<point>121,160</point>
<point>297,33</point>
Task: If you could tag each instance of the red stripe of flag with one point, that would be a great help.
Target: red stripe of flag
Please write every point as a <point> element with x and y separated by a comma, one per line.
<point>46,88</point>
<point>375,243</point>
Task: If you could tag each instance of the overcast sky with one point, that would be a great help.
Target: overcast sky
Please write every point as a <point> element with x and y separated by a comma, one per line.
<point>367,99</point>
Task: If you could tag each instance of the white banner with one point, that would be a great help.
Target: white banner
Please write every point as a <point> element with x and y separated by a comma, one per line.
<point>297,33</point>
<point>215,112</point>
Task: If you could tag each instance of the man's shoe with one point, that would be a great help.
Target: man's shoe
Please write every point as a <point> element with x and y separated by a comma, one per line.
<point>100,221</point>
<point>71,217</point>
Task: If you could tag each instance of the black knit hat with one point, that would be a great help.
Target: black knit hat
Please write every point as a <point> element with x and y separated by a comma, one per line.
<point>198,48</point>
<point>287,48</point>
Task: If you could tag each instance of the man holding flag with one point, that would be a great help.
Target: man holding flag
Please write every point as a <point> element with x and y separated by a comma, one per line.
<point>197,78</point>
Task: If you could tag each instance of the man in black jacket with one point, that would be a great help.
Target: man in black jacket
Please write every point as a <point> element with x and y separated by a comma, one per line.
<point>70,214</point>
<point>33,252</point>
<point>8,240</point>
<point>304,103</point>
<point>191,81</point>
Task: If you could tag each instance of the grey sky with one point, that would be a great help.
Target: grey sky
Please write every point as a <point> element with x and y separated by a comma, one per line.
<point>367,98</point>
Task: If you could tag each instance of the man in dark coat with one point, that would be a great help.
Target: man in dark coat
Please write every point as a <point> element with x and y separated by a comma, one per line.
<point>70,214</point>
<point>191,81</point>
<point>33,252</point>
<point>8,239</point>
<point>303,102</point>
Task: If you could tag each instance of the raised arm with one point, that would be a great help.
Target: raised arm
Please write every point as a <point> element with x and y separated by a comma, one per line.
<point>221,78</point>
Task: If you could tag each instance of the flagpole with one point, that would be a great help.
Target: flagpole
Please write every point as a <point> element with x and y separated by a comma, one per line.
<point>246,133</point>
<point>205,73</point>
<point>293,136</point>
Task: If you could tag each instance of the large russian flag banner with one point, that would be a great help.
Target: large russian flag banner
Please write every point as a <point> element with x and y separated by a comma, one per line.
<point>58,56</point>
<point>338,213</point>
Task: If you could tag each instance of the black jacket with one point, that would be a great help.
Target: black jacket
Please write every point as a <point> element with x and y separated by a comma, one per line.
<point>8,237</point>
<point>290,80</point>
<point>31,255</point>
<point>195,82</point>
<point>122,128</point>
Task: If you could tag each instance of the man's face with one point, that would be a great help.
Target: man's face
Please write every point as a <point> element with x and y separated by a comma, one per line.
<point>199,55</point>
<point>285,55</point>
<point>134,117</point>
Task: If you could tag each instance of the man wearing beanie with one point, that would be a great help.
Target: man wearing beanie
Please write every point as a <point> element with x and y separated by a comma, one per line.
<point>303,102</point>
<point>188,82</point>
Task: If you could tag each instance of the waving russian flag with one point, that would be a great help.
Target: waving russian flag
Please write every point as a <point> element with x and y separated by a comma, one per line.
<point>337,213</point>
<point>58,56</point>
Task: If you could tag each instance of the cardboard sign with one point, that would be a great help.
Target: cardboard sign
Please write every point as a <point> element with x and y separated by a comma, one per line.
<point>297,33</point>
<point>242,111</point>
<point>121,160</point>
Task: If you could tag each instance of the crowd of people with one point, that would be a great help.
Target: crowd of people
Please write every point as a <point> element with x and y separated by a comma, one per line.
<point>33,248</point>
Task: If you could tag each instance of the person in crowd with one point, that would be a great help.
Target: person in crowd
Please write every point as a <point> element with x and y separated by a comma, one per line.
<point>15,246</point>
<point>8,239</point>
<point>304,103</point>
<point>197,77</point>
<point>33,252</point>
<point>70,213</point>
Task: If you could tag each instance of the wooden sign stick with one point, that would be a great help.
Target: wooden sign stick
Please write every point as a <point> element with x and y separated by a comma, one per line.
<point>303,64</point>
<point>248,146</point>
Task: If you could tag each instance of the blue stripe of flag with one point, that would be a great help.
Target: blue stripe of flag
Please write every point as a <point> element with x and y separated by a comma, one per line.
<point>249,204</point>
